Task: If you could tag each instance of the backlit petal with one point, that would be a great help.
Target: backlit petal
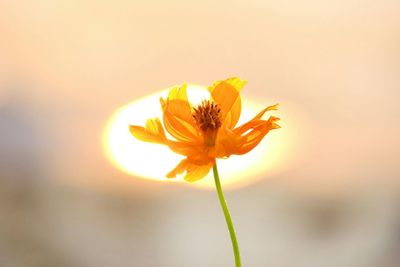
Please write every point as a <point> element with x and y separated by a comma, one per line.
<point>180,168</point>
<point>178,105</point>
<point>245,137</point>
<point>186,149</point>
<point>232,117</point>
<point>259,115</point>
<point>179,128</point>
<point>152,132</point>
<point>226,95</point>
<point>177,115</point>
<point>243,128</point>
<point>193,171</point>
<point>196,172</point>
<point>255,134</point>
<point>227,143</point>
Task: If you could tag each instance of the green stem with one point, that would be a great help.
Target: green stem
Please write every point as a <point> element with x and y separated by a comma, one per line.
<point>228,218</point>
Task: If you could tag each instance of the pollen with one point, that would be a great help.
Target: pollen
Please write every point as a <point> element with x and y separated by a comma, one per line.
<point>207,116</point>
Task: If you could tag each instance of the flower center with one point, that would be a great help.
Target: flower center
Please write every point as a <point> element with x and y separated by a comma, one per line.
<point>207,116</point>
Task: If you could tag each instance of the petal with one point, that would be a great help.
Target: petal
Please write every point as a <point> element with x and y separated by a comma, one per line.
<point>186,149</point>
<point>259,115</point>
<point>179,128</point>
<point>255,134</point>
<point>194,171</point>
<point>153,131</point>
<point>178,105</point>
<point>180,168</point>
<point>243,128</point>
<point>245,137</point>
<point>232,117</point>
<point>226,143</point>
<point>177,115</point>
<point>226,95</point>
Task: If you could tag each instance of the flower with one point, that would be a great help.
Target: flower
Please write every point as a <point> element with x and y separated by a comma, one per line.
<point>205,132</point>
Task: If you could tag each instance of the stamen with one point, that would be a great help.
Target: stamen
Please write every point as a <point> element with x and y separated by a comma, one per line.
<point>207,116</point>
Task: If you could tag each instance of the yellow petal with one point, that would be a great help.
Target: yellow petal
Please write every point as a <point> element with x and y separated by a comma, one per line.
<point>177,115</point>
<point>243,128</point>
<point>179,128</point>
<point>259,115</point>
<point>255,134</point>
<point>194,172</point>
<point>180,168</point>
<point>245,137</point>
<point>178,105</point>
<point>153,131</point>
<point>186,149</point>
<point>227,143</point>
<point>233,115</point>
<point>226,95</point>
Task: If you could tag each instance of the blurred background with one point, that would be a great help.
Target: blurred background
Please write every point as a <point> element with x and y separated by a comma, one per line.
<point>66,66</point>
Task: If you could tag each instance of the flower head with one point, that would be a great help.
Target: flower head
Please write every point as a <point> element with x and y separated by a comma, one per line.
<point>205,132</point>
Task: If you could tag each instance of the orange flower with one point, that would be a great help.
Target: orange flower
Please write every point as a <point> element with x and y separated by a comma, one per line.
<point>205,132</point>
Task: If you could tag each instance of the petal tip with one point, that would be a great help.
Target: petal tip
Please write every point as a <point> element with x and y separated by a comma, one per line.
<point>132,128</point>
<point>274,107</point>
<point>189,180</point>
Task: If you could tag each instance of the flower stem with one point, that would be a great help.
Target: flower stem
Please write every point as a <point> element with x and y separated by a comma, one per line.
<point>228,218</point>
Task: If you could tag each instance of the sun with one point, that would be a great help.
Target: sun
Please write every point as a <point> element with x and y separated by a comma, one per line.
<point>153,161</point>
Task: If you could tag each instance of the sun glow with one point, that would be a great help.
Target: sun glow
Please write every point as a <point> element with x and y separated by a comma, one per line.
<point>153,161</point>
